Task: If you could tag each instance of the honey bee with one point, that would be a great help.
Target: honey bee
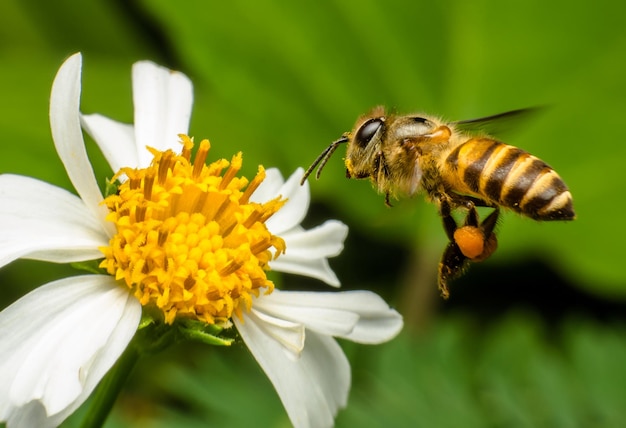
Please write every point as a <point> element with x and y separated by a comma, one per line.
<point>458,169</point>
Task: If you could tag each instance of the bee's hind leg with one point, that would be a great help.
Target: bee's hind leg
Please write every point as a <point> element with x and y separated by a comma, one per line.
<point>477,240</point>
<point>449,223</point>
<point>474,241</point>
<point>482,233</point>
<point>387,200</point>
<point>488,225</point>
<point>451,266</point>
<point>453,262</point>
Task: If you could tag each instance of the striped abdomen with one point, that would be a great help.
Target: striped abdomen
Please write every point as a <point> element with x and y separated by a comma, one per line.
<point>510,177</point>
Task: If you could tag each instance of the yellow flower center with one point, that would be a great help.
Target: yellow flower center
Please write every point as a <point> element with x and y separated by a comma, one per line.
<point>189,241</point>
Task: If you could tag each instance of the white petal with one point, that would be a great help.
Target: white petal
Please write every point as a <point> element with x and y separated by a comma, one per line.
<point>32,414</point>
<point>328,321</point>
<point>312,388</point>
<point>289,334</point>
<point>321,241</point>
<point>116,140</point>
<point>313,268</point>
<point>307,251</point>
<point>44,222</point>
<point>295,209</point>
<point>163,99</point>
<point>373,329</point>
<point>360,316</point>
<point>68,137</point>
<point>59,341</point>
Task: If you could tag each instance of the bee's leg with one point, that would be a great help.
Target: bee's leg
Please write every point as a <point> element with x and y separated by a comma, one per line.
<point>468,202</point>
<point>487,227</point>
<point>452,261</point>
<point>477,240</point>
<point>387,201</point>
<point>472,215</point>
<point>489,224</point>
<point>449,223</point>
<point>380,173</point>
<point>451,266</point>
<point>478,202</point>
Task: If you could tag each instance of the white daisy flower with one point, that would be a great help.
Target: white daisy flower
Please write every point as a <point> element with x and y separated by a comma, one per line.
<point>188,239</point>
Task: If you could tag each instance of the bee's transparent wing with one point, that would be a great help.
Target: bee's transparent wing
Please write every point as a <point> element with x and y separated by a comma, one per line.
<point>498,124</point>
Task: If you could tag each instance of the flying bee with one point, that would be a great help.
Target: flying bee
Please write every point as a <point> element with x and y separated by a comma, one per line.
<point>457,169</point>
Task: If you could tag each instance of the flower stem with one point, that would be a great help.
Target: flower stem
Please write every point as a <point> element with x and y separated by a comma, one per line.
<point>109,388</point>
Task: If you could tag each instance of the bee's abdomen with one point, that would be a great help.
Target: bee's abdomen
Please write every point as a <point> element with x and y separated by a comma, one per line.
<point>510,177</point>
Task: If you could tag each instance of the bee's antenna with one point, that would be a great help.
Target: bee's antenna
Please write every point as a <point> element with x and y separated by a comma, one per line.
<point>323,158</point>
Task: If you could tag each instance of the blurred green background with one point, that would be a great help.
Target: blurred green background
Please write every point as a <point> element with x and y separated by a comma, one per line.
<point>533,337</point>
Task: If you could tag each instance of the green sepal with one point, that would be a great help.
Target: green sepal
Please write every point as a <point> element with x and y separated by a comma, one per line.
<point>146,320</point>
<point>91,266</point>
<point>152,337</point>
<point>202,332</point>
<point>110,187</point>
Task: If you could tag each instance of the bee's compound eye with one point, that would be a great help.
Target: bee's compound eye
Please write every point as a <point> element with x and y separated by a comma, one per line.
<point>367,131</point>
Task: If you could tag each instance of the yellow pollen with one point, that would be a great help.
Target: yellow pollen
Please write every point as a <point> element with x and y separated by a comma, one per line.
<point>188,240</point>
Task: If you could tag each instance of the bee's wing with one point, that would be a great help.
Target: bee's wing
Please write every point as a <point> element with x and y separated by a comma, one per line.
<point>498,124</point>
